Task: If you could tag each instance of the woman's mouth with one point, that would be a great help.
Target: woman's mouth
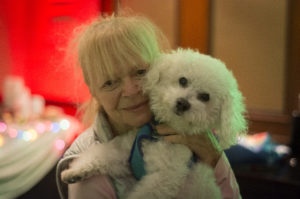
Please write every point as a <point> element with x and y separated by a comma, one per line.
<point>137,107</point>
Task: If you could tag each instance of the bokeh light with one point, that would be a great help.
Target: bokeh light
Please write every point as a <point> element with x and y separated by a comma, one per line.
<point>12,132</point>
<point>3,127</point>
<point>48,125</point>
<point>40,127</point>
<point>20,134</point>
<point>55,127</point>
<point>60,144</point>
<point>33,134</point>
<point>26,136</point>
<point>64,124</point>
<point>1,140</point>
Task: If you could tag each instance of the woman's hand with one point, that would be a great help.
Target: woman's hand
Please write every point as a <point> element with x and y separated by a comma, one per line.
<point>205,145</point>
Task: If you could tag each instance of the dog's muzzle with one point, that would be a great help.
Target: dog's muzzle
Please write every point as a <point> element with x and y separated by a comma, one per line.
<point>182,105</point>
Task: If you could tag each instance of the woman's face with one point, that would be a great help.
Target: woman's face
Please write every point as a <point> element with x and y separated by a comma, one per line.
<point>123,101</point>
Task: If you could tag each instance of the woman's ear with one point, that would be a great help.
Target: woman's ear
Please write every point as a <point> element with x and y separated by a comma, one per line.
<point>232,121</point>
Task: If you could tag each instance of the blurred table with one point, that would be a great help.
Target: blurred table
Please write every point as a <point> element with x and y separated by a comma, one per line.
<point>265,169</point>
<point>264,174</point>
<point>28,151</point>
<point>269,181</point>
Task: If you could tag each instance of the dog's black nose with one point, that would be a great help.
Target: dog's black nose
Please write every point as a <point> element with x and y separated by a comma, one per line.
<point>182,105</point>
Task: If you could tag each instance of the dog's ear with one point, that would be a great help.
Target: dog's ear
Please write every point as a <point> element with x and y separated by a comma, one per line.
<point>233,123</point>
<point>152,78</point>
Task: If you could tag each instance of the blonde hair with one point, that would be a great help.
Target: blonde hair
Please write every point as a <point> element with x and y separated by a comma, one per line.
<point>116,41</point>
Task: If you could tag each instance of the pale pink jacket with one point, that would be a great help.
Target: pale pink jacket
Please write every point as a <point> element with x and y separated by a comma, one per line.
<point>103,186</point>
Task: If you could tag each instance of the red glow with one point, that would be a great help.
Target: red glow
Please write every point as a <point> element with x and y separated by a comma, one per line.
<point>37,31</point>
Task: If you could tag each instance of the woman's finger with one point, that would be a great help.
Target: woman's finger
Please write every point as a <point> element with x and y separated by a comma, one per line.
<point>164,130</point>
<point>203,145</point>
<point>176,139</point>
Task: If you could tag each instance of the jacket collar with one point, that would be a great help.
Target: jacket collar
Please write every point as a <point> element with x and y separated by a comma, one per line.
<point>102,129</point>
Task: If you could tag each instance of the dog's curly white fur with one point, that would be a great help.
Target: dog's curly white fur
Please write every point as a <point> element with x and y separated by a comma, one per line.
<point>192,93</point>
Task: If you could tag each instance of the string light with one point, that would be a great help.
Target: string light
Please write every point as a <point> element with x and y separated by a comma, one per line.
<point>55,127</point>
<point>1,141</point>
<point>26,135</point>
<point>40,128</point>
<point>64,124</point>
<point>48,125</point>
<point>31,134</point>
<point>60,144</point>
<point>20,134</point>
<point>12,133</point>
<point>3,127</point>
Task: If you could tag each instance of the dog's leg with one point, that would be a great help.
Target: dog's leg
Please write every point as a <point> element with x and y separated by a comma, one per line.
<point>157,185</point>
<point>108,158</point>
<point>200,183</point>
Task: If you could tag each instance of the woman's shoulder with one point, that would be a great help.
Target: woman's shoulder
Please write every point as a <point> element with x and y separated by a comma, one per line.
<point>81,143</point>
<point>99,131</point>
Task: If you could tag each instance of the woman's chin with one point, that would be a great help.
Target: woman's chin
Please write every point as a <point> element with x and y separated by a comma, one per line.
<point>141,120</point>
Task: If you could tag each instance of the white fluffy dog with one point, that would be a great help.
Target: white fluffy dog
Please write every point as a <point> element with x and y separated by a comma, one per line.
<point>192,93</point>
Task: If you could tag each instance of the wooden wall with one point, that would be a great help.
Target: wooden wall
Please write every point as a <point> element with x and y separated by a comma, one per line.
<point>293,57</point>
<point>164,13</point>
<point>251,38</point>
<point>194,22</point>
<point>280,124</point>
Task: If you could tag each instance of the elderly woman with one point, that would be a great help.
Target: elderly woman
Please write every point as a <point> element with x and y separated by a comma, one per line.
<point>114,54</point>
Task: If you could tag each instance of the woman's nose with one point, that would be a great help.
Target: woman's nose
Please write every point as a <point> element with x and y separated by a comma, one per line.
<point>131,87</point>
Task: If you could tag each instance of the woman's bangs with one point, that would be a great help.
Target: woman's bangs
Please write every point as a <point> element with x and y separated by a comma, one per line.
<point>126,54</point>
<point>127,48</point>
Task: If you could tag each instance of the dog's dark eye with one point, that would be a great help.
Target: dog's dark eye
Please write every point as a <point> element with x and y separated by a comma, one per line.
<point>204,97</point>
<point>183,81</point>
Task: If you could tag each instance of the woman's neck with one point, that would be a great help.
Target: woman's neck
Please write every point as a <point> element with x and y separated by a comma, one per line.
<point>117,128</point>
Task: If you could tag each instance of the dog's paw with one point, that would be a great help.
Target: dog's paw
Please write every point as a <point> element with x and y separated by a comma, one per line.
<point>72,176</point>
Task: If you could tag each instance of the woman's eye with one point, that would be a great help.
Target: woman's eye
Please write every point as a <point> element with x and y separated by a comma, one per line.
<point>141,72</point>
<point>110,85</point>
